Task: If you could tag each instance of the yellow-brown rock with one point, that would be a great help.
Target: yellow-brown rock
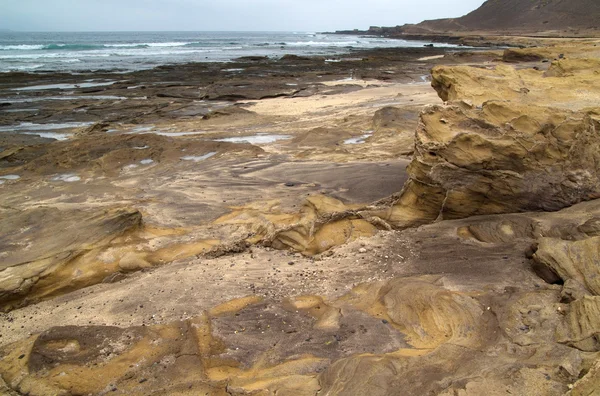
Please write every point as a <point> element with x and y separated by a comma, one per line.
<point>568,83</point>
<point>573,260</point>
<point>581,327</point>
<point>501,158</point>
<point>322,223</point>
<point>46,250</point>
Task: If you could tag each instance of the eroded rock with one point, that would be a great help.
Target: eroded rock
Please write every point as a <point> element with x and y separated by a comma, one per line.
<point>568,83</point>
<point>573,260</point>
<point>44,249</point>
<point>502,158</point>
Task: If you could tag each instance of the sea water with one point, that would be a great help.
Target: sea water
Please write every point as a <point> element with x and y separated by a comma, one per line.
<point>127,51</point>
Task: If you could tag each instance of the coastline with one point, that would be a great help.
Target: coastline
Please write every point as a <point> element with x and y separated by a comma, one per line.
<point>271,225</point>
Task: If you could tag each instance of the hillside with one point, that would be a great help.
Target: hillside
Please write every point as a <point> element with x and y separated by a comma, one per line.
<point>551,17</point>
<point>524,15</point>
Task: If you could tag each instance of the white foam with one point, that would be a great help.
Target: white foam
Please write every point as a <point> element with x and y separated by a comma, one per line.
<point>67,178</point>
<point>21,47</point>
<point>176,133</point>
<point>200,157</point>
<point>29,126</point>
<point>130,167</point>
<point>65,86</point>
<point>19,110</point>
<point>323,43</point>
<point>50,135</point>
<point>147,161</point>
<point>10,177</point>
<point>255,139</point>
<point>359,139</point>
<point>82,97</point>
<point>141,148</point>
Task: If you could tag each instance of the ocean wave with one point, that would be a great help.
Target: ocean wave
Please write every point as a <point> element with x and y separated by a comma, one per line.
<point>73,47</point>
<point>126,45</point>
<point>322,43</point>
<point>88,47</point>
<point>173,44</point>
<point>22,47</point>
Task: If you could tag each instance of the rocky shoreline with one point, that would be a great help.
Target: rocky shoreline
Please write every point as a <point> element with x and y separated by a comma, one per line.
<point>418,221</point>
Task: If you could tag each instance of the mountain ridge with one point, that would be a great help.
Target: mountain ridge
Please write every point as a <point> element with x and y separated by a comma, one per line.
<point>511,17</point>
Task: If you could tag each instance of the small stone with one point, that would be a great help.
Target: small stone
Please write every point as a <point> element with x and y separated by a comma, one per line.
<point>362,250</point>
<point>291,263</point>
<point>289,184</point>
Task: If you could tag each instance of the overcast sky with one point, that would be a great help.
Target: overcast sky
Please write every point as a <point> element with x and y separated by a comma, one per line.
<point>231,15</point>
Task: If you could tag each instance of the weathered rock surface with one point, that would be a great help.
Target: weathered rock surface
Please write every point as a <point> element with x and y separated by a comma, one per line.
<point>573,260</point>
<point>568,83</point>
<point>502,158</point>
<point>41,246</point>
<point>500,17</point>
<point>322,223</point>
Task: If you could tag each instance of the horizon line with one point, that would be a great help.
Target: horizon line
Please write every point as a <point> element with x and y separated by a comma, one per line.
<point>169,31</point>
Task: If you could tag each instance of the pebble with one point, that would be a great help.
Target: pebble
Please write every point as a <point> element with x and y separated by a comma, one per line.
<point>362,250</point>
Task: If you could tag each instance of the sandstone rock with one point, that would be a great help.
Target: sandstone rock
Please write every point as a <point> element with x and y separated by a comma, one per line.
<point>133,262</point>
<point>589,385</point>
<point>46,250</point>
<point>361,375</point>
<point>502,158</point>
<point>573,290</point>
<point>581,327</point>
<point>322,223</point>
<point>568,83</point>
<point>100,359</point>
<point>431,315</point>
<point>397,124</point>
<point>525,54</point>
<point>576,260</point>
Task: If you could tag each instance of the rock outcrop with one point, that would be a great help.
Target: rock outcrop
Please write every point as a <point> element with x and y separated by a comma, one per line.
<point>501,158</point>
<point>522,16</point>
<point>322,223</point>
<point>568,83</point>
<point>46,250</point>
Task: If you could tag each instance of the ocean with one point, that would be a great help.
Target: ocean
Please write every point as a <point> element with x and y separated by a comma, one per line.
<point>129,51</point>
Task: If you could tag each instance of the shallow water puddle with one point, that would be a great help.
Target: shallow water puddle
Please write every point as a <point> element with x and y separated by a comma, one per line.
<point>359,140</point>
<point>147,161</point>
<point>89,84</point>
<point>200,157</point>
<point>28,128</point>
<point>255,139</point>
<point>4,178</point>
<point>81,97</point>
<point>67,177</point>
<point>20,110</point>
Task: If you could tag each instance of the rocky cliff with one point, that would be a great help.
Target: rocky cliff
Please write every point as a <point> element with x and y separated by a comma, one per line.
<point>553,17</point>
<point>526,16</point>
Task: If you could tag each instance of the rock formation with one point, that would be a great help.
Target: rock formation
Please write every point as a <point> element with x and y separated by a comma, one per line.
<point>522,16</point>
<point>498,17</point>
<point>482,155</point>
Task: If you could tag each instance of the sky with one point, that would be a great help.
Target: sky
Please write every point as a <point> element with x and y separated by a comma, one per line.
<point>222,15</point>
